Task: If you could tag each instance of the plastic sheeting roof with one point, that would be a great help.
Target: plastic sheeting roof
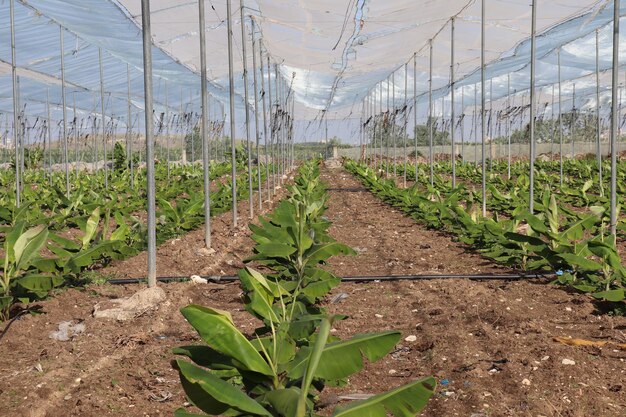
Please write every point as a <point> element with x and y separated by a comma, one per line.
<point>333,53</point>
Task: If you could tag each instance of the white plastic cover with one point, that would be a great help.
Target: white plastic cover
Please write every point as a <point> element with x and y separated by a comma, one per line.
<point>333,53</point>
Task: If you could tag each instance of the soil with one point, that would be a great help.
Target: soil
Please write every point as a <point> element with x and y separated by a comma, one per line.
<point>490,344</point>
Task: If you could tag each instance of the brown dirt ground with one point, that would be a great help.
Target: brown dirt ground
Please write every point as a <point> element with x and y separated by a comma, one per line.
<point>492,341</point>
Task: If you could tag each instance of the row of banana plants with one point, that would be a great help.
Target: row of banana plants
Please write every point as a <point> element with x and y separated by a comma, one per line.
<point>39,257</point>
<point>506,195</point>
<point>575,246</point>
<point>283,367</point>
<point>580,186</point>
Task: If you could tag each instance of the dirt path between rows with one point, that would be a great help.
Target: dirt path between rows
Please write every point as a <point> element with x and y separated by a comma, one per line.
<point>490,344</point>
<point>388,242</point>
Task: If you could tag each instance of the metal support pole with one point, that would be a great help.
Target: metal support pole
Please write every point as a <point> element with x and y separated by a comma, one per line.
<point>508,124</point>
<point>129,141</point>
<point>533,109</point>
<point>452,114</point>
<point>247,108</point>
<point>598,121</point>
<point>102,115</point>
<point>482,106</point>
<point>573,121</point>
<point>265,141</point>
<point>614,116</point>
<point>415,113</point>
<point>16,122</point>
<point>272,125</point>
<point>256,118</point>
<point>64,103</point>
<point>430,113</point>
<point>405,135</point>
<point>231,89</point>
<point>75,133</point>
<point>558,57</point>
<point>204,129</point>
<point>49,134</point>
<point>392,119</point>
<point>150,185</point>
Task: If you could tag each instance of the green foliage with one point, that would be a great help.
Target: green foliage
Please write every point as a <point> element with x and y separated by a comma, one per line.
<point>555,238</point>
<point>293,356</point>
<point>120,161</point>
<point>19,274</point>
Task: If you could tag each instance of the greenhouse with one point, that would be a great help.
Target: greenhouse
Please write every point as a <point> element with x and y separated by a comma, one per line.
<point>290,208</point>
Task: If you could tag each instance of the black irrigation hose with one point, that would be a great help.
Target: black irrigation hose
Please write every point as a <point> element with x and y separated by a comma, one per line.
<point>422,277</point>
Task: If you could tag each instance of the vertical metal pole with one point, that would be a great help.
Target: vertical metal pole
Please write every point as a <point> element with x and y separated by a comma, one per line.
<point>614,116</point>
<point>102,115</point>
<point>147,79</point>
<point>382,126</point>
<point>16,123</point>
<point>387,130</point>
<point>129,127</point>
<point>573,121</point>
<point>415,113</point>
<point>430,113</point>
<point>265,141</point>
<point>49,133</point>
<point>405,136</point>
<point>278,116</point>
<point>482,106</point>
<point>508,124</point>
<point>598,121</point>
<point>167,128</point>
<point>475,117</point>
<point>231,89</point>
<point>393,121</point>
<point>64,103</point>
<point>256,119</point>
<point>247,104</point>
<point>452,114</point>
<point>462,124</point>
<point>75,133</point>
<point>272,124</point>
<point>204,126</point>
<point>533,110</point>
<point>558,57</point>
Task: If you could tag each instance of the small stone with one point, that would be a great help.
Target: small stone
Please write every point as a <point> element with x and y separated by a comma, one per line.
<point>392,372</point>
<point>197,279</point>
<point>78,380</point>
<point>568,309</point>
<point>568,362</point>
<point>545,358</point>
<point>205,251</point>
<point>67,397</point>
<point>411,338</point>
<point>526,381</point>
<point>448,393</point>
<point>378,316</point>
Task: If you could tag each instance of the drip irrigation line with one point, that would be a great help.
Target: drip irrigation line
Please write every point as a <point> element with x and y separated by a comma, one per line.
<point>419,277</point>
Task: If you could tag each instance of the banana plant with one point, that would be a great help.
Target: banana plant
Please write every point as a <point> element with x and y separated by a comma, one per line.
<point>289,361</point>
<point>19,274</point>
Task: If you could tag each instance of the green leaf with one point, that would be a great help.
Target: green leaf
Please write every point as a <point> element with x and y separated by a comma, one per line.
<point>216,328</point>
<point>406,401</point>
<point>28,245</point>
<point>580,262</point>
<point>275,250</point>
<point>611,295</point>
<point>91,227</point>
<point>342,359</point>
<point>321,252</point>
<point>213,395</point>
<point>259,294</point>
<point>284,401</point>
